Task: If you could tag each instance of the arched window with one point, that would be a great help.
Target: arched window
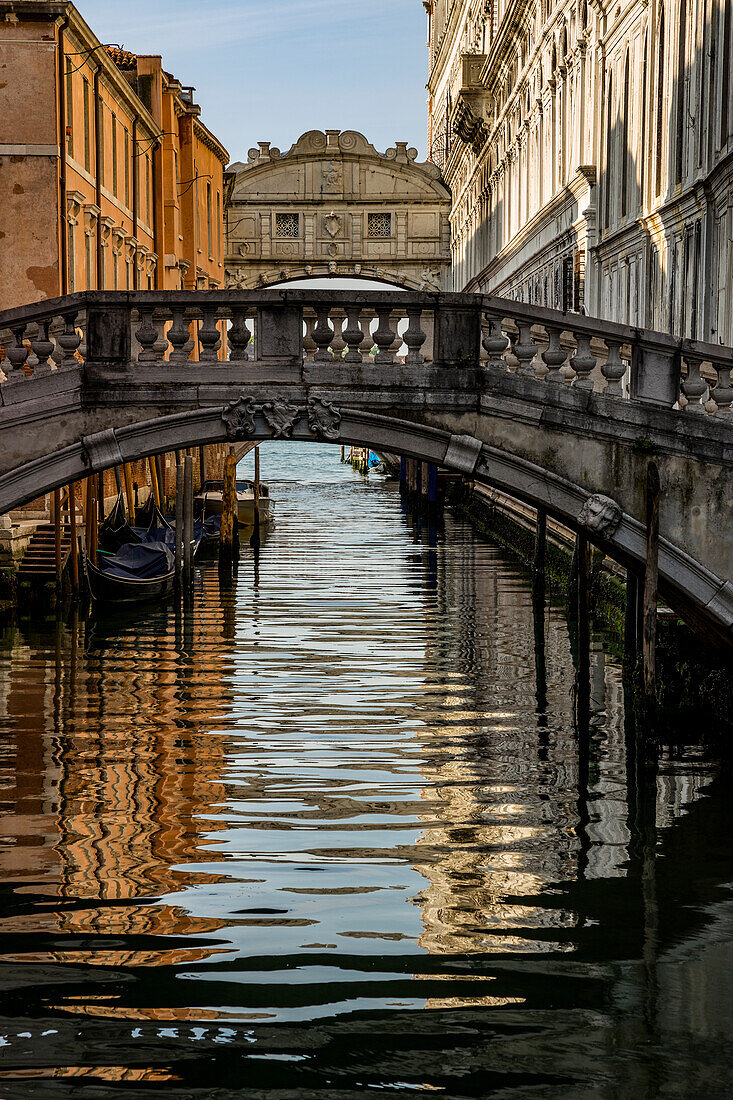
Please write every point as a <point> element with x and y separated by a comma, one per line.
<point>625,150</point>
<point>725,71</point>
<point>642,158</point>
<point>660,104</point>
<point>609,152</point>
<point>679,149</point>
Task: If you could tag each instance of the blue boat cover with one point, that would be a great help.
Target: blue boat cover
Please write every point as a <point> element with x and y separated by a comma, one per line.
<point>137,561</point>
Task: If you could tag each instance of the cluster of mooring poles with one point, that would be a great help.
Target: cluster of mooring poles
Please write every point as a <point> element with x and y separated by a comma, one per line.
<point>420,487</point>
<point>640,626</point>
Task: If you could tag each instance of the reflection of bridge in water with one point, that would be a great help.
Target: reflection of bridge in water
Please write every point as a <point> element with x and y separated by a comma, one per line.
<point>529,831</point>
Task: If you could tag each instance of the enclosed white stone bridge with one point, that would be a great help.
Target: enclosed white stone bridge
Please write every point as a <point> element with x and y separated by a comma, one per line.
<point>561,411</point>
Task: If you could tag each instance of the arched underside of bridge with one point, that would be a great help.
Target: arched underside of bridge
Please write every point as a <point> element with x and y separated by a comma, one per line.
<point>698,594</point>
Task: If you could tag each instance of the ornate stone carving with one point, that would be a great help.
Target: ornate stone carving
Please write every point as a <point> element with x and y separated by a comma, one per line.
<point>333,174</point>
<point>239,417</point>
<point>281,418</point>
<point>600,515</point>
<point>332,224</point>
<point>323,418</point>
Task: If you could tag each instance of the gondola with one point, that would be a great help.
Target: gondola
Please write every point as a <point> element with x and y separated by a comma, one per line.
<point>136,573</point>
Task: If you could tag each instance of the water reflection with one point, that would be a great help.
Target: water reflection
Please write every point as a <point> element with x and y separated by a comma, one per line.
<point>341,826</point>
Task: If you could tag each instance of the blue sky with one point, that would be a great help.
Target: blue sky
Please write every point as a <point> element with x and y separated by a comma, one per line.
<point>268,70</point>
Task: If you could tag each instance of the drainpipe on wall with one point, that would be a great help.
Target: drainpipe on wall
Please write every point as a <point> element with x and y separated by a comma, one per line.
<point>97,165</point>
<point>135,168</point>
<point>62,160</point>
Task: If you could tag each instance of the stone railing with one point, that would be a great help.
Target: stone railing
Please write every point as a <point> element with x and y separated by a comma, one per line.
<point>359,327</point>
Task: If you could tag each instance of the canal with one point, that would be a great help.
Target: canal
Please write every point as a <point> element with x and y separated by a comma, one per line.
<point>334,833</point>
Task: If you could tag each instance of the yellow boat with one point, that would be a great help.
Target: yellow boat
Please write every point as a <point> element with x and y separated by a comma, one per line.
<point>209,500</point>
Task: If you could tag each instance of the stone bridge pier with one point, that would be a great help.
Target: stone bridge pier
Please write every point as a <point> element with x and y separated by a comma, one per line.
<point>561,411</point>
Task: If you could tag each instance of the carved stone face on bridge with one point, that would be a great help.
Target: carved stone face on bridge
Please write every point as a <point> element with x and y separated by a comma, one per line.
<point>600,515</point>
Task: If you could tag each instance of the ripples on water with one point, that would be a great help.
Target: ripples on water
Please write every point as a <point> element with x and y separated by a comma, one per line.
<point>336,834</point>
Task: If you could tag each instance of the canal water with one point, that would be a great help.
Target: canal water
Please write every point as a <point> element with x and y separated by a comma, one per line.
<point>335,833</point>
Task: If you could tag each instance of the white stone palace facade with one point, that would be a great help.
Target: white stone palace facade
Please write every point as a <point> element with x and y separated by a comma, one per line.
<point>588,147</point>
<point>332,205</point>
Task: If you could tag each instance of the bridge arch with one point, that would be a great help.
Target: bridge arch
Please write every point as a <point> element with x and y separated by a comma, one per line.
<point>333,205</point>
<point>697,593</point>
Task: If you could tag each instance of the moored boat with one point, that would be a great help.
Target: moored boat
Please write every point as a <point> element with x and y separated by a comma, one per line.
<point>210,501</point>
<point>137,572</point>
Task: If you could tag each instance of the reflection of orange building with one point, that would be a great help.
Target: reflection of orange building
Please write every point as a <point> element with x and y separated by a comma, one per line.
<point>116,774</point>
<point>109,179</point>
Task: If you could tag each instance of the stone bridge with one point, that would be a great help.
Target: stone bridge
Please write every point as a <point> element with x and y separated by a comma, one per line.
<point>559,410</point>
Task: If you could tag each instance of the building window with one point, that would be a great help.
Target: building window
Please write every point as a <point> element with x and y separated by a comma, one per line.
<point>379,225</point>
<point>126,154</point>
<point>115,271</point>
<point>71,259</point>
<point>147,188</point>
<point>87,161</point>
<point>88,261</point>
<point>114,156</point>
<point>218,225</point>
<point>99,122</point>
<point>625,150</point>
<point>679,152</point>
<point>209,225</point>
<point>660,104</point>
<point>128,274</point>
<point>287,225</point>
<point>69,110</point>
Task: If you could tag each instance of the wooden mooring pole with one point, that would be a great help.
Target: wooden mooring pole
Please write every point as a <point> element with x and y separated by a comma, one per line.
<point>255,540</point>
<point>74,539</point>
<point>179,522</point>
<point>229,509</point>
<point>57,535</point>
<point>187,520</point>
<point>651,577</point>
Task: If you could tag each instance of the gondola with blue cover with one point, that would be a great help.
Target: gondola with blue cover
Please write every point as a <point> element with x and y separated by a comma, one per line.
<point>136,572</point>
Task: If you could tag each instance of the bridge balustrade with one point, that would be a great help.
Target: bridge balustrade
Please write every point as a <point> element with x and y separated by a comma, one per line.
<point>357,327</point>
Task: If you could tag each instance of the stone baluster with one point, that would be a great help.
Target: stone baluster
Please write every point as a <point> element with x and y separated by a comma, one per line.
<point>353,336</point>
<point>338,344</point>
<point>239,337</point>
<point>723,389</point>
<point>495,343</point>
<point>384,336</point>
<point>147,335</point>
<point>613,369</point>
<point>367,316</point>
<point>309,344</point>
<point>209,336</point>
<point>17,353</point>
<point>583,363</point>
<point>69,340</point>
<point>42,347</point>
<point>179,336</point>
<point>160,347</point>
<point>554,355</point>
<point>525,348</point>
<point>414,337</point>
<point>55,328</point>
<point>323,335</point>
<point>694,387</point>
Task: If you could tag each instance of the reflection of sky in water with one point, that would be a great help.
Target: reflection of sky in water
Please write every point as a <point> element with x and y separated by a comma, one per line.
<point>337,790</point>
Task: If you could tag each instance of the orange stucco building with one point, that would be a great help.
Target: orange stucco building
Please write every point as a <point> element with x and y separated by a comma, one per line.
<point>109,179</point>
